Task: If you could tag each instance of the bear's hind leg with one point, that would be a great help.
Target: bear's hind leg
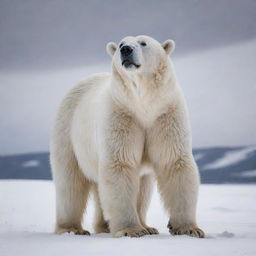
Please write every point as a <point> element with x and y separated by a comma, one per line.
<point>72,189</point>
<point>144,197</point>
<point>100,224</point>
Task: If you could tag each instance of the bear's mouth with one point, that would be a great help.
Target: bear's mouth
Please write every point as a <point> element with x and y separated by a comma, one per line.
<point>129,64</point>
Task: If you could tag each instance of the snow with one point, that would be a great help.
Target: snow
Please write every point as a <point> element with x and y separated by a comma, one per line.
<point>225,212</point>
<point>198,156</point>
<point>231,158</point>
<point>247,174</point>
<point>30,163</point>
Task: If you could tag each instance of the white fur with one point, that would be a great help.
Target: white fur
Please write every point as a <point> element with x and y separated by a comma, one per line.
<point>110,131</point>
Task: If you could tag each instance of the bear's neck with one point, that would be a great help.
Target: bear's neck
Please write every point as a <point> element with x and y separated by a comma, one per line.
<point>144,95</point>
<point>143,83</point>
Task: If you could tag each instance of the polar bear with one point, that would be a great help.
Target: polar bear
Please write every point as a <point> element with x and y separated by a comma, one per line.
<point>114,134</point>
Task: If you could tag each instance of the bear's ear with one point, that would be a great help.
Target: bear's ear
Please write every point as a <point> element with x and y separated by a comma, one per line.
<point>111,48</point>
<point>168,46</point>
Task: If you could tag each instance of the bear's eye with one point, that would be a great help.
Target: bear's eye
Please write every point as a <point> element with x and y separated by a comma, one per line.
<point>121,45</point>
<point>143,44</point>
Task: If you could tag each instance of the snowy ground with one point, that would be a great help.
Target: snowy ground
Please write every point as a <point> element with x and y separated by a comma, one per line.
<point>225,212</point>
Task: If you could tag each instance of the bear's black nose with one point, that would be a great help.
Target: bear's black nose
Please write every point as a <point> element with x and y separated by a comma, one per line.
<point>126,50</point>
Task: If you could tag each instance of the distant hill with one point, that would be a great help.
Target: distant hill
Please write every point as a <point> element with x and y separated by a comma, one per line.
<point>216,165</point>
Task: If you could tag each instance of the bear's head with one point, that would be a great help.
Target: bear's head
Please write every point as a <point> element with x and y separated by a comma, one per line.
<point>139,54</point>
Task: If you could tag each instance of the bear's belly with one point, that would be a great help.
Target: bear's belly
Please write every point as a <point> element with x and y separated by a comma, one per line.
<point>86,156</point>
<point>88,167</point>
<point>84,141</point>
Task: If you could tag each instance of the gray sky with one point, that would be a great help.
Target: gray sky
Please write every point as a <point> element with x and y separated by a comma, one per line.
<point>48,46</point>
<point>58,33</point>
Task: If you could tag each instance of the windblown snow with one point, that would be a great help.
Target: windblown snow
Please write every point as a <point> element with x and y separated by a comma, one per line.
<point>231,158</point>
<point>30,163</point>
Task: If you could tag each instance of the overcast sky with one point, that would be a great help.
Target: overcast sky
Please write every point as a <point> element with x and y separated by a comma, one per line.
<point>47,46</point>
<point>57,33</point>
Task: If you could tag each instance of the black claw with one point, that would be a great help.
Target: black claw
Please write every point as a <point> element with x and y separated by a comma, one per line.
<point>169,225</point>
<point>198,232</point>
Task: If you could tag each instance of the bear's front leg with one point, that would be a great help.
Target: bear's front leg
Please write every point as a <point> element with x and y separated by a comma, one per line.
<point>119,176</point>
<point>169,148</point>
<point>119,185</point>
<point>178,186</point>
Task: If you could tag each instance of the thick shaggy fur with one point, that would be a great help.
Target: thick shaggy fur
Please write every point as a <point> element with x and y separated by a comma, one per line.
<point>114,134</point>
